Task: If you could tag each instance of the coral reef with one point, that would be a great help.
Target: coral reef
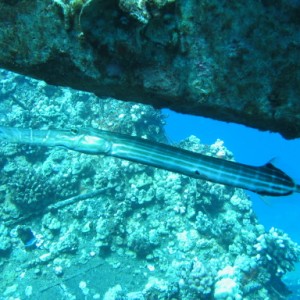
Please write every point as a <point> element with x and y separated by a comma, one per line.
<point>78,226</point>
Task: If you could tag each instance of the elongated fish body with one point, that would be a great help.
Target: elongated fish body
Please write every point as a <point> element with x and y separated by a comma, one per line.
<point>264,180</point>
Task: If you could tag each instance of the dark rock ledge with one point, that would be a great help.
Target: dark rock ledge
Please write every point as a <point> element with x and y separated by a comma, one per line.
<point>228,60</point>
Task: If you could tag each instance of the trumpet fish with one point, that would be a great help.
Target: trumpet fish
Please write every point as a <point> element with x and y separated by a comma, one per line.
<point>264,180</point>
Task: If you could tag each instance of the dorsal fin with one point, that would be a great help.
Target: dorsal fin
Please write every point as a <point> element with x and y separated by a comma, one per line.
<point>271,166</point>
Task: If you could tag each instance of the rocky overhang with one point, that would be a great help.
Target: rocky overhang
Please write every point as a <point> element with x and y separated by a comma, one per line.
<point>227,60</point>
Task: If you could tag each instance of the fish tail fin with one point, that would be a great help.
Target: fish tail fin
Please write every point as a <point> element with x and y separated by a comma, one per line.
<point>297,189</point>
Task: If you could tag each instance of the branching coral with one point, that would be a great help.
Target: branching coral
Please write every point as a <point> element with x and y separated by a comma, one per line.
<point>277,251</point>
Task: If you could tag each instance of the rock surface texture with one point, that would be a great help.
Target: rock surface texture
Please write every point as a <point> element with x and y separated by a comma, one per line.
<point>227,60</point>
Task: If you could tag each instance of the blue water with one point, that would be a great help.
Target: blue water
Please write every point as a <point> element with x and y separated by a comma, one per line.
<point>254,147</point>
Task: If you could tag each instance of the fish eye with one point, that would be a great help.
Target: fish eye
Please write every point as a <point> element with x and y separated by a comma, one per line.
<point>74,130</point>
